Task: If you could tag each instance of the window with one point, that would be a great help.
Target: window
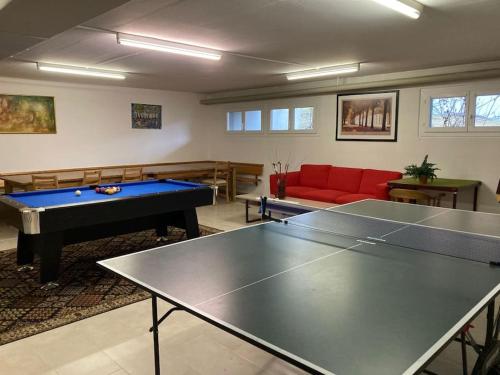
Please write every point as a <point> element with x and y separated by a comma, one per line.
<point>487,111</point>
<point>248,121</point>
<point>234,121</point>
<point>266,119</point>
<point>448,112</point>
<point>279,119</point>
<point>253,121</point>
<point>303,119</point>
<point>459,110</point>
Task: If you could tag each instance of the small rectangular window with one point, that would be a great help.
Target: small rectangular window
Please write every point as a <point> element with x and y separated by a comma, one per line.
<point>253,121</point>
<point>303,119</point>
<point>279,119</point>
<point>448,112</point>
<point>487,111</point>
<point>234,121</point>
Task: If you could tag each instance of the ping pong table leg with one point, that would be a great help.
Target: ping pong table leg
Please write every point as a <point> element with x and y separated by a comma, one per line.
<point>156,345</point>
<point>490,324</point>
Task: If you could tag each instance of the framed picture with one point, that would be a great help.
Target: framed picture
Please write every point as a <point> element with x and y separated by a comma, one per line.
<point>146,116</point>
<point>368,117</point>
<point>20,114</point>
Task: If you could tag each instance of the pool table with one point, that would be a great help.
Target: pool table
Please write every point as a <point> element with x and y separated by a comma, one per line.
<point>50,219</point>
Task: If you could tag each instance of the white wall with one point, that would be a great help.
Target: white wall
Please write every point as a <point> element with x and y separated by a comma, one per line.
<point>94,128</point>
<point>467,158</point>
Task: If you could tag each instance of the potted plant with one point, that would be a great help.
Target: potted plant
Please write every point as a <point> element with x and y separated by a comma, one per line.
<point>422,172</point>
<point>281,175</point>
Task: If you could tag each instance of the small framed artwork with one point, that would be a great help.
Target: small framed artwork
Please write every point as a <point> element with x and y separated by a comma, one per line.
<point>146,116</point>
<point>23,114</point>
<point>368,117</point>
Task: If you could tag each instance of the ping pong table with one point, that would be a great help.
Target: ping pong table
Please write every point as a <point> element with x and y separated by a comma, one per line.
<point>372,287</point>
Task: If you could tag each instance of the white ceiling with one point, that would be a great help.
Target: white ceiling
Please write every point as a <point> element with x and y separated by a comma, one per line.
<point>262,38</point>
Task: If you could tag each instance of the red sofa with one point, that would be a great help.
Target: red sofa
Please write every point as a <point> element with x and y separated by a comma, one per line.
<point>336,184</point>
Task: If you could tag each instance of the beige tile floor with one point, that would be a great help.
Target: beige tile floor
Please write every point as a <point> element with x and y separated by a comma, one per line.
<point>118,342</point>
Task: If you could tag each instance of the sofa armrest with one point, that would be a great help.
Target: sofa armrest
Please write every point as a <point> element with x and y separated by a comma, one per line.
<point>382,191</point>
<point>292,179</point>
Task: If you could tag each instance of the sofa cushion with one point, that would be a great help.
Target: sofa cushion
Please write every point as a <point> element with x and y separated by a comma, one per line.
<point>314,175</point>
<point>323,195</point>
<point>298,191</point>
<point>372,177</point>
<point>345,179</point>
<point>348,198</point>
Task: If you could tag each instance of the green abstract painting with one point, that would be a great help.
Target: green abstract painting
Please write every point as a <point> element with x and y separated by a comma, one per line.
<point>27,114</point>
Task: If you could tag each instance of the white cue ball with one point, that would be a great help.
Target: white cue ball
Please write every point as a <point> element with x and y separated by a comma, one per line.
<point>78,193</point>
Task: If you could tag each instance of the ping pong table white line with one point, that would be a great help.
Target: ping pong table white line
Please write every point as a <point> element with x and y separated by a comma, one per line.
<point>211,235</point>
<point>278,274</point>
<point>417,223</point>
<point>448,336</point>
<point>223,323</point>
<point>412,204</point>
<point>167,246</point>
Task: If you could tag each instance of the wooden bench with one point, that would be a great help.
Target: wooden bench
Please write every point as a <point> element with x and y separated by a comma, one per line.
<point>243,173</point>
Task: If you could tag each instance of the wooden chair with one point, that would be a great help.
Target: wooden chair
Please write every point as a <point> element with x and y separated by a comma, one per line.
<point>220,178</point>
<point>132,174</point>
<point>414,196</point>
<point>44,182</point>
<point>92,177</point>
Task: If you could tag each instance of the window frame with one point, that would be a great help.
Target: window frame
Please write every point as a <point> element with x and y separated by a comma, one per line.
<point>243,121</point>
<point>273,108</point>
<point>426,110</point>
<point>472,105</point>
<point>291,119</point>
<point>470,92</point>
<point>265,110</point>
<point>304,131</point>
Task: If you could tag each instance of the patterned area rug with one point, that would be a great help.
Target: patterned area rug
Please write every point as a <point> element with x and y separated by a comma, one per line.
<point>84,288</point>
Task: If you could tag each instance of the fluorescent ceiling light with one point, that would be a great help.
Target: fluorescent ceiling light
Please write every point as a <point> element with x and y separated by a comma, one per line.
<point>76,70</point>
<point>328,71</point>
<point>4,3</point>
<point>166,46</point>
<point>409,8</point>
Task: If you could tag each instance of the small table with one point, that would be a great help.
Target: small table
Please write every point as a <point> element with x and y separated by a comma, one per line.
<point>288,206</point>
<point>439,184</point>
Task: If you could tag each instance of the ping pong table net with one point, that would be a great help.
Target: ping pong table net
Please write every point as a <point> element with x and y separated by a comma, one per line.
<point>344,230</point>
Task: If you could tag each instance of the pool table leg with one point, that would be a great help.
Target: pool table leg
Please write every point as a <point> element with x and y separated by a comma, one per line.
<point>50,257</point>
<point>191,222</point>
<point>26,247</point>
<point>161,229</point>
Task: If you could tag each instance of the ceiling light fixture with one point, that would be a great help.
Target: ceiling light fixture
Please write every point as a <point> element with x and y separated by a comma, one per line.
<point>328,71</point>
<point>76,70</point>
<point>4,3</point>
<point>167,46</point>
<point>409,8</point>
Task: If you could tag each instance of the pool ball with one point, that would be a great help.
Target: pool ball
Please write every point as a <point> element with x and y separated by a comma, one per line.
<point>78,193</point>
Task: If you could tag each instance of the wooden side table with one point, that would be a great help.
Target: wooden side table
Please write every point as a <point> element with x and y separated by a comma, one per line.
<point>439,184</point>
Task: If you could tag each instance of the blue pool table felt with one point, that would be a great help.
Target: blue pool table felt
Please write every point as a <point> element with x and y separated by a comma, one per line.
<point>57,197</point>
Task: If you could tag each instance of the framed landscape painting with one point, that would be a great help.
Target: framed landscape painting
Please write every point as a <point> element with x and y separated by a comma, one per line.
<point>146,116</point>
<point>367,117</point>
<point>27,114</point>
